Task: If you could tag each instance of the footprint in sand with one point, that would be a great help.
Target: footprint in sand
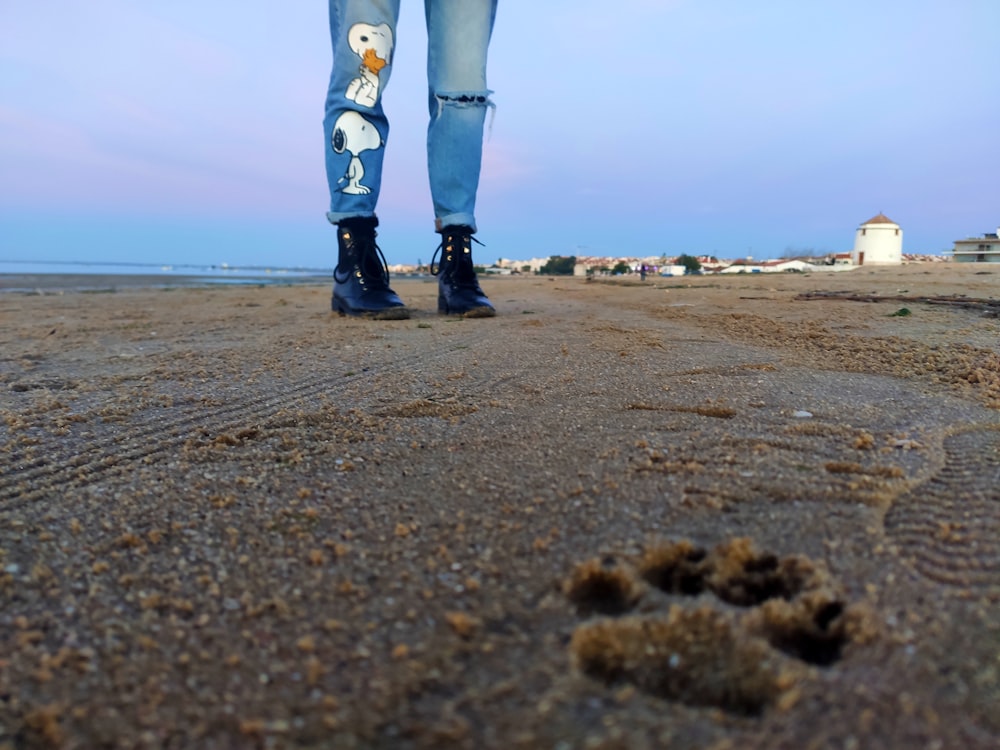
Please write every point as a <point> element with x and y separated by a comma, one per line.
<point>948,528</point>
<point>759,624</point>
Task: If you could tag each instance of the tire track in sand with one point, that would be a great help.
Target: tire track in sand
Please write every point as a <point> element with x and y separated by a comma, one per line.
<point>948,528</point>
<point>69,463</point>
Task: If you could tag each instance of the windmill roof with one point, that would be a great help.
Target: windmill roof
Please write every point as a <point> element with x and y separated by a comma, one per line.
<point>880,218</point>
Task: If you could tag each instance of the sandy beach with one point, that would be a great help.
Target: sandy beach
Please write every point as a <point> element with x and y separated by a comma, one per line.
<point>726,512</point>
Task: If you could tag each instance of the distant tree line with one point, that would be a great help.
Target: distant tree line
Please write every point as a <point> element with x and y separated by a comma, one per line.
<point>559,265</point>
<point>691,264</point>
<point>563,265</point>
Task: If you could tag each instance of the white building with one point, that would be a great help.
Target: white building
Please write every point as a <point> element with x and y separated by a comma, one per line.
<point>771,266</point>
<point>672,269</point>
<point>985,249</point>
<point>879,241</point>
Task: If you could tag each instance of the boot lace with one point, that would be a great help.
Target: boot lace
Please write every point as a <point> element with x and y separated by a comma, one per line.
<point>460,270</point>
<point>369,259</point>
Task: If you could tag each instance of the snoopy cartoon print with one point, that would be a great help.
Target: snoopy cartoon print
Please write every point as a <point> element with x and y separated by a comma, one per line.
<point>373,44</point>
<point>354,134</point>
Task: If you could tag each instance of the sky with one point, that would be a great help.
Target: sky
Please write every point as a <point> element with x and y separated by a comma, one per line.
<point>191,132</point>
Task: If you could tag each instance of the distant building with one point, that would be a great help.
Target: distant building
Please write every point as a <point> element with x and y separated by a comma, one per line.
<point>785,265</point>
<point>672,269</point>
<point>985,249</point>
<point>879,241</point>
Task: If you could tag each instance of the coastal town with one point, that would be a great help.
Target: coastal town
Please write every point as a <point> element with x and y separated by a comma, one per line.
<point>878,242</point>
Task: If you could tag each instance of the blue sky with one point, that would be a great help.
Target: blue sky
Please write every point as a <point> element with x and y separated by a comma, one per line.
<point>191,131</point>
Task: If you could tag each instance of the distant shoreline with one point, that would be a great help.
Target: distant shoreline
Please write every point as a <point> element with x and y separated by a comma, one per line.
<point>91,282</point>
<point>41,283</point>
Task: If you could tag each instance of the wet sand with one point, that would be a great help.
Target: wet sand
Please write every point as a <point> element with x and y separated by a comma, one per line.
<point>700,512</point>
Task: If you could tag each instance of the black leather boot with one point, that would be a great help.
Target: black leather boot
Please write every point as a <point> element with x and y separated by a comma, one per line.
<point>361,278</point>
<point>458,289</point>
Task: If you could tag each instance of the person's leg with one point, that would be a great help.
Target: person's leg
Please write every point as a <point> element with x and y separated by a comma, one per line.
<point>355,128</point>
<point>458,37</point>
<point>355,131</point>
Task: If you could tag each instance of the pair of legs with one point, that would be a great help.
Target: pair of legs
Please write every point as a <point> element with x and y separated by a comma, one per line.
<point>356,131</point>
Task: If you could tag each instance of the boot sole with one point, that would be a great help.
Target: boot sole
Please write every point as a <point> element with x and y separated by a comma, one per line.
<point>483,311</point>
<point>473,312</point>
<point>389,313</point>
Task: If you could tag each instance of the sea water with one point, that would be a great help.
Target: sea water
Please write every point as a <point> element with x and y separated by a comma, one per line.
<point>171,273</point>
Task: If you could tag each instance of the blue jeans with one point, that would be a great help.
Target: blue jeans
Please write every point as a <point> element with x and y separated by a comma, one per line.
<point>356,128</point>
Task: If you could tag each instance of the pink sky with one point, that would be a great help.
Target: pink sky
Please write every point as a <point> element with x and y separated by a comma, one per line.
<point>163,132</point>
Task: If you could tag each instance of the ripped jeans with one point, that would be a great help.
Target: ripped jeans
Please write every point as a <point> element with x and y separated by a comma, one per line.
<point>356,128</point>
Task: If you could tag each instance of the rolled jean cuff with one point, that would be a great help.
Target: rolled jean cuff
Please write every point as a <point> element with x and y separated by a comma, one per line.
<point>455,220</point>
<point>337,217</point>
